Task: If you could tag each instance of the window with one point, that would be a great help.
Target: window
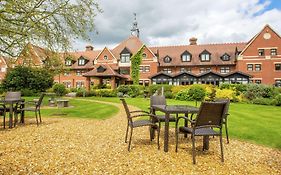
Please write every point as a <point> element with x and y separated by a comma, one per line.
<point>125,71</point>
<point>224,70</point>
<point>258,81</point>
<point>273,51</point>
<point>201,70</point>
<point>250,67</point>
<point>186,58</point>
<point>79,73</point>
<point>208,69</point>
<point>144,55</point>
<point>125,58</point>
<point>257,67</point>
<point>205,57</point>
<point>261,52</point>
<point>225,57</point>
<point>105,57</point>
<point>147,69</point>
<point>79,84</point>
<point>67,84</point>
<point>66,73</point>
<point>278,83</point>
<point>167,59</point>
<point>68,62</point>
<point>81,62</point>
<point>278,67</point>
<point>182,69</point>
<point>167,70</point>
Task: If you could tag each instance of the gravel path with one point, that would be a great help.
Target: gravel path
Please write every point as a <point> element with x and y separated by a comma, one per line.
<point>84,146</point>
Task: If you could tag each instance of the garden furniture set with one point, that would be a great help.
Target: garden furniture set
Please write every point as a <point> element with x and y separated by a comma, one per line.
<point>210,118</point>
<point>14,104</point>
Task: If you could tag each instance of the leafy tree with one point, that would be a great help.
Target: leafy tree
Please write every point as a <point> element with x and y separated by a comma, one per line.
<point>22,78</point>
<point>59,89</point>
<point>196,93</point>
<point>50,23</point>
<point>135,66</point>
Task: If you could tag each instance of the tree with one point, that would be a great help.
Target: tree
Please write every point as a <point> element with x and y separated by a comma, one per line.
<point>197,93</point>
<point>135,66</point>
<point>22,78</point>
<point>49,23</point>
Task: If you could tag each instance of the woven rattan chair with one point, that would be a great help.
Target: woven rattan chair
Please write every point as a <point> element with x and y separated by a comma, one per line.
<point>210,116</point>
<point>224,121</point>
<point>139,123</point>
<point>3,108</point>
<point>33,106</point>
<point>160,100</point>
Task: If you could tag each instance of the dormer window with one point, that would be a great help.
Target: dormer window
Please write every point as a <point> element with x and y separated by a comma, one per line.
<point>125,58</point>
<point>261,52</point>
<point>81,61</point>
<point>225,57</point>
<point>68,62</point>
<point>186,57</point>
<point>167,59</point>
<point>205,56</point>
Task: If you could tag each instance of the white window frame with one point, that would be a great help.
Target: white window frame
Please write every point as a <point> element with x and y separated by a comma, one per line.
<point>125,58</point>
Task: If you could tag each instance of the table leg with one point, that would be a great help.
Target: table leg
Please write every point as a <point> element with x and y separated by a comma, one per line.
<point>205,143</point>
<point>166,134</point>
<point>152,130</point>
<point>11,116</point>
<point>22,114</point>
<point>185,124</point>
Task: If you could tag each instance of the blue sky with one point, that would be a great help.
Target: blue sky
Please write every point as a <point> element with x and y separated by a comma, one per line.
<point>173,22</point>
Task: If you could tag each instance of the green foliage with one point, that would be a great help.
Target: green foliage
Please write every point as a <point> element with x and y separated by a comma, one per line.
<point>105,93</point>
<point>196,93</point>
<point>135,66</point>
<point>28,93</point>
<point>254,91</point>
<point>225,93</point>
<point>59,89</point>
<point>153,88</point>
<point>277,100</point>
<point>131,90</point>
<point>54,23</point>
<point>35,79</point>
<point>182,95</point>
<point>263,101</point>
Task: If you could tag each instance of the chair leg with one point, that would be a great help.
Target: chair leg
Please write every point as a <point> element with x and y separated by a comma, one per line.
<point>40,115</point>
<point>126,136</point>
<point>16,118</point>
<point>222,157</point>
<point>4,119</point>
<point>36,118</point>
<point>158,136</point>
<point>177,138</point>
<point>130,140</point>
<point>226,131</point>
<point>193,149</point>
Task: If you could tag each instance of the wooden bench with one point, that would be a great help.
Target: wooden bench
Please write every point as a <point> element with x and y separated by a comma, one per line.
<point>62,103</point>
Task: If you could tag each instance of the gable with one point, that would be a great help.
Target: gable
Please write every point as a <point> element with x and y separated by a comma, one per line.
<point>149,54</point>
<point>105,56</point>
<point>266,39</point>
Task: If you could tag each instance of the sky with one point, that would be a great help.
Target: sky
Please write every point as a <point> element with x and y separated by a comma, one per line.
<point>173,22</point>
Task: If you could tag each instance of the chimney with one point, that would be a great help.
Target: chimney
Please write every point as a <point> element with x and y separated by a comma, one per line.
<point>193,41</point>
<point>89,48</point>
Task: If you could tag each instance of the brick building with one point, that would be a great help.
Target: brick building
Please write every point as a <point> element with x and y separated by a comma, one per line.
<point>257,61</point>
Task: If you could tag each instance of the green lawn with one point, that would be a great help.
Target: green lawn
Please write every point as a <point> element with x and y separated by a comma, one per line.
<point>80,109</point>
<point>255,123</point>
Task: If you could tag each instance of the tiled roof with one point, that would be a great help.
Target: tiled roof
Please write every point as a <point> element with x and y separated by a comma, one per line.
<point>107,71</point>
<point>216,50</point>
<point>133,44</point>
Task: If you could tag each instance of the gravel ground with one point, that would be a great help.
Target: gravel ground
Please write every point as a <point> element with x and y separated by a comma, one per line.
<point>84,146</point>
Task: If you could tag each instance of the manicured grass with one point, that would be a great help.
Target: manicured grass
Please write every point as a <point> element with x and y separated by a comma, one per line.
<point>255,123</point>
<point>80,109</point>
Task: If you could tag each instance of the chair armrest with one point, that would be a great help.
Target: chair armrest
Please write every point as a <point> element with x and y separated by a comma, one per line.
<point>148,115</point>
<point>186,118</point>
<point>139,111</point>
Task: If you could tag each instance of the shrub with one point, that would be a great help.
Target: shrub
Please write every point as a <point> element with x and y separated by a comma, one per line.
<point>168,94</point>
<point>176,89</point>
<point>182,95</point>
<point>225,93</point>
<point>262,101</point>
<point>260,91</point>
<point>277,100</point>
<point>35,79</point>
<point>131,90</point>
<point>196,93</point>
<point>28,93</point>
<point>106,93</point>
<point>153,88</point>
<point>59,89</point>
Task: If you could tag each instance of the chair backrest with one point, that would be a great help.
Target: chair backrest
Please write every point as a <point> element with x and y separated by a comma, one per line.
<point>227,101</point>
<point>13,95</point>
<point>126,109</point>
<point>40,100</point>
<point>158,100</point>
<point>210,114</point>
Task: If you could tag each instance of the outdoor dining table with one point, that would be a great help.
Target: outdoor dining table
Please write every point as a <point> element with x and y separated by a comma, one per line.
<point>174,109</point>
<point>11,103</point>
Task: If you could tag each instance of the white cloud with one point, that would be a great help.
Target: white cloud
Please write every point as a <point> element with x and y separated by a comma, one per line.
<point>172,22</point>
